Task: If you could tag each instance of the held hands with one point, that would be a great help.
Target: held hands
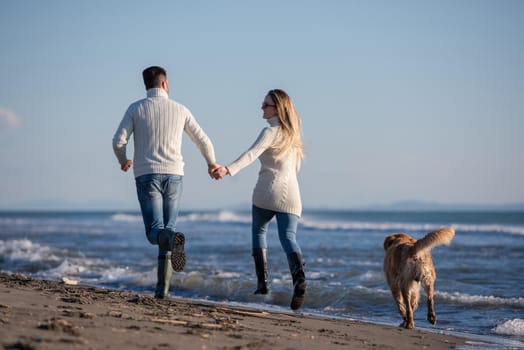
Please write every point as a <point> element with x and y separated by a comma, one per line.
<point>220,173</point>
<point>217,171</point>
<point>211,168</point>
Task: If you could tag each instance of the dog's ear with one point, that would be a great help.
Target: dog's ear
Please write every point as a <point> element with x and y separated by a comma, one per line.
<point>389,241</point>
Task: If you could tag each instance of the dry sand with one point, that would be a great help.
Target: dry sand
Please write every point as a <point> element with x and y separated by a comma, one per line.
<point>38,314</point>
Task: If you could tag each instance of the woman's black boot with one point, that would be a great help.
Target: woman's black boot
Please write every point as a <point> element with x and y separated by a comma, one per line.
<point>296,266</point>
<point>260,257</point>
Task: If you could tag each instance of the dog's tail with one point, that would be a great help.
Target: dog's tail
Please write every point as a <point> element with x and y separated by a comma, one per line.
<point>435,238</point>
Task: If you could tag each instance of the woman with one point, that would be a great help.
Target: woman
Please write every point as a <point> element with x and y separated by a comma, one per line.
<point>279,148</point>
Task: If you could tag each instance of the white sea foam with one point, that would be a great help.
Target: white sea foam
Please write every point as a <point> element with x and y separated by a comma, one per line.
<point>126,218</point>
<point>68,267</point>
<point>405,226</point>
<point>117,274</point>
<point>480,299</point>
<point>227,275</point>
<point>25,250</point>
<point>222,216</point>
<point>192,280</point>
<point>363,225</point>
<point>85,270</point>
<point>372,276</point>
<point>511,327</point>
<point>319,275</point>
<point>122,276</point>
<point>372,291</point>
<point>516,230</point>
<point>226,216</point>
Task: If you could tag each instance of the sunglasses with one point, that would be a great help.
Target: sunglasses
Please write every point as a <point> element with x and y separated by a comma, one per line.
<point>265,105</point>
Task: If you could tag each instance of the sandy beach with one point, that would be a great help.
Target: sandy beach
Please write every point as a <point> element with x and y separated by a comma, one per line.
<point>36,314</point>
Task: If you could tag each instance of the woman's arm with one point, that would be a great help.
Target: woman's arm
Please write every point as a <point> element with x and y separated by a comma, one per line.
<point>263,142</point>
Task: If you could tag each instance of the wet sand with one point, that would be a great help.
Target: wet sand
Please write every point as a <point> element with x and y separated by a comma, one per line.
<point>37,314</point>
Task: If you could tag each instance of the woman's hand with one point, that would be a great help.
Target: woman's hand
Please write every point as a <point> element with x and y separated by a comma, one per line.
<point>220,172</point>
<point>211,169</point>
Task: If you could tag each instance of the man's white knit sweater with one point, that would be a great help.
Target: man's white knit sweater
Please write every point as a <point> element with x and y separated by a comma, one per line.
<point>277,186</point>
<point>157,124</point>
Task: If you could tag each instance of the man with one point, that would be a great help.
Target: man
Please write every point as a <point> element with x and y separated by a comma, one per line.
<point>157,124</point>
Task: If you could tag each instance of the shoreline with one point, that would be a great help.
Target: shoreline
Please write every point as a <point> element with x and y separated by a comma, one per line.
<point>37,314</point>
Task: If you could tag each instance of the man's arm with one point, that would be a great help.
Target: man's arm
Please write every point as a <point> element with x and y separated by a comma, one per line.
<point>120,139</point>
<point>201,140</point>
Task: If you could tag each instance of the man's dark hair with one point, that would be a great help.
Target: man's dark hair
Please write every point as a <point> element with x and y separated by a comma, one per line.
<point>153,76</point>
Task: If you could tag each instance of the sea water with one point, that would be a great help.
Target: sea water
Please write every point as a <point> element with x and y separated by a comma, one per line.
<point>479,286</point>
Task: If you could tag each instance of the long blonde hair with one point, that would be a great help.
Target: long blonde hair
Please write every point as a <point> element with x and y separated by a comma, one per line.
<point>290,123</point>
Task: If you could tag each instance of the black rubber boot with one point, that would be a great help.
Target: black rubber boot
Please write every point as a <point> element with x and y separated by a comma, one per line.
<point>260,257</point>
<point>164,272</point>
<point>173,242</point>
<point>296,266</point>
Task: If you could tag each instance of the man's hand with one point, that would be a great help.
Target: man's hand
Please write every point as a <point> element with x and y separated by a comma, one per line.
<point>211,169</point>
<point>127,165</point>
<point>220,172</point>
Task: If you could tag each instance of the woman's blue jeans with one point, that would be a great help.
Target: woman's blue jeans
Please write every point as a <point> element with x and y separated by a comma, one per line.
<point>287,229</point>
<point>159,197</point>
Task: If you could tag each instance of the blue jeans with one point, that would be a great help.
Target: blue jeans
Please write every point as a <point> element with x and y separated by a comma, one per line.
<point>159,197</point>
<point>287,229</point>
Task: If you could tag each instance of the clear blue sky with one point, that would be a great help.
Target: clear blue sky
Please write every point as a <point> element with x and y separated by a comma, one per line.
<point>400,100</point>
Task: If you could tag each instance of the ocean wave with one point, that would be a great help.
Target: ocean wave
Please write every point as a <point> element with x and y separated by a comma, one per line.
<point>227,275</point>
<point>13,221</point>
<point>516,230</point>
<point>126,218</point>
<point>406,226</point>
<point>364,225</point>
<point>510,327</point>
<point>222,216</point>
<point>68,267</point>
<point>480,299</point>
<point>226,216</point>
<point>43,261</point>
<point>117,274</point>
<point>25,250</point>
<point>99,272</point>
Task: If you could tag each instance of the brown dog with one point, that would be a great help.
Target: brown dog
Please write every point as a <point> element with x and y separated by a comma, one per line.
<point>407,265</point>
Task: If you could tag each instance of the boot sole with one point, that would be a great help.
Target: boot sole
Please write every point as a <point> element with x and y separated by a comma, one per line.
<point>299,296</point>
<point>178,256</point>
<point>261,291</point>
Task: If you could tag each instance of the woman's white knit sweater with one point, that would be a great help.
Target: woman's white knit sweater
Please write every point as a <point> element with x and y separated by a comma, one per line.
<point>277,186</point>
<point>157,124</point>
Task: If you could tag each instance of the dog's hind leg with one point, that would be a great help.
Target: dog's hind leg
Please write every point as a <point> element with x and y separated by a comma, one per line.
<point>399,300</point>
<point>409,322</point>
<point>432,316</point>
<point>414,295</point>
